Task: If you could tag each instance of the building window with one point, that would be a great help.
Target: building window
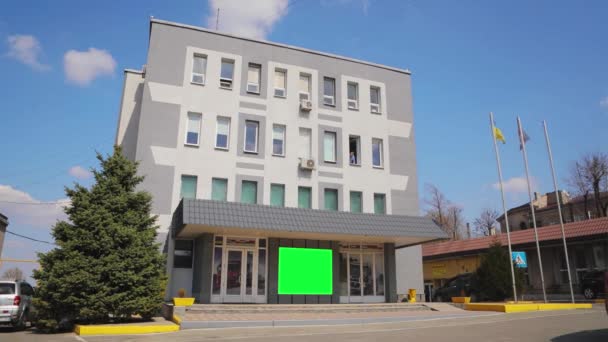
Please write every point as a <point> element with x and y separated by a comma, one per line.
<point>377,158</point>
<point>219,189</point>
<point>352,91</point>
<point>253,78</point>
<point>182,254</point>
<point>278,140</point>
<point>280,79</point>
<point>305,147</point>
<point>330,199</point>
<point>249,192</point>
<point>251,136</point>
<point>329,147</point>
<point>329,91</point>
<point>199,68</point>
<point>222,136</point>
<point>304,86</point>
<point>304,197</point>
<point>354,150</point>
<point>356,201</point>
<point>227,73</point>
<point>277,195</point>
<point>374,99</point>
<point>188,189</point>
<point>379,204</point>
<point>193,128</point>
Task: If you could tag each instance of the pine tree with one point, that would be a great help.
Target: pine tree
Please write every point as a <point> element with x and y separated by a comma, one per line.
<point>107,264</point>
<point>493,277</point>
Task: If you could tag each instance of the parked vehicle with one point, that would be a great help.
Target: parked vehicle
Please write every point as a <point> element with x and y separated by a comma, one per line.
<point>593,284</point>
<point>456,287</point>
<point>15,303</point>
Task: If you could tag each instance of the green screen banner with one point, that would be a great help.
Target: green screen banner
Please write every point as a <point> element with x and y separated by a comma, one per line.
<point>305,271</point>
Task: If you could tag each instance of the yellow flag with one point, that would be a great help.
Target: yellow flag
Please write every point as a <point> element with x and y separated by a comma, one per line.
<point>498,135</point>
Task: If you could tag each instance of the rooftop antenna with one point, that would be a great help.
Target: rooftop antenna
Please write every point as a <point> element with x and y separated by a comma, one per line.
<point>217,19</point>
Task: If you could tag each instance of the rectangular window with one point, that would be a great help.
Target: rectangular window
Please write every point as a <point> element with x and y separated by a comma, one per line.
<point>278,140</point>
<point>377,157</point>
<point>374,99</point>
<point>305,147</point>
<point>280,79</point>
<point>199,68</point>
<point>182,254</point>
<point>379,204</point>
<point>304,87</point>
<point>330,197</point>
<point>188,189</point>
<point>352,91</point>
<point>222,136</point>
<point>249,192</point>
<point>277,195</point>
<point>253,78</point>
<point>329,147</point>
<point>304,197</point>
<point>356,201</point>
<point>251,136</point>
<point>227,73</point>
<point>354,150</point>
<point>219,189</point>
<point>329,91</point>
<point>193,128</point>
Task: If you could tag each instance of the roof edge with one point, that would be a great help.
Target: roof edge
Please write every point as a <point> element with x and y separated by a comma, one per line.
<point>326,54</point>
<point>133,71</point>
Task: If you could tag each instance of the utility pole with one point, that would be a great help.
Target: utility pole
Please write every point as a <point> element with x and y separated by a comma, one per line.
<point>217,19</point>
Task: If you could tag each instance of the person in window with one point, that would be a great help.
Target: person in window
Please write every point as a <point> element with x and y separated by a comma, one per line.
<point>353,158</point>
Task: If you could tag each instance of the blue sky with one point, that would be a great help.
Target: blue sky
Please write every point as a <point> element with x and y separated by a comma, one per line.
<point>61,77</point>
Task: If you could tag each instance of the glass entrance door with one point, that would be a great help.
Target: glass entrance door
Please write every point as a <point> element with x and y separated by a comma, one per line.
<point>234,274</point>
<point>365,277</point>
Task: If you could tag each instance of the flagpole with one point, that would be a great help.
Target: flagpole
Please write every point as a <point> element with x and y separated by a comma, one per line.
<point>504,206</point>
<point>559,209</point>
<point>523,149</point>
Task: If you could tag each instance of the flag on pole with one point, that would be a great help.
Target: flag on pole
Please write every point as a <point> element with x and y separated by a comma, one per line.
<point>524,139</point>
<point>498,135</point>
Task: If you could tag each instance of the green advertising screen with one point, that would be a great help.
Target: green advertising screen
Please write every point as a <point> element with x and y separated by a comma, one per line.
<point>305,271</point>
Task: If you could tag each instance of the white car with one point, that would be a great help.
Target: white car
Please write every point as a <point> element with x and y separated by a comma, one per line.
<point>15,303</point>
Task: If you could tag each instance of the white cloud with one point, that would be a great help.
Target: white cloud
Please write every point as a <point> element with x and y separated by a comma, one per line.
<point>33,212</point>
<point>82,67</point>
<point>516,185</point>
<point>80,172</point>
<point>254,19</point>
<point>604,102</point>
<point>26,49</point>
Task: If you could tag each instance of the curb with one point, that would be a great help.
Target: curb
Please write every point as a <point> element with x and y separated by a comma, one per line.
<point>123,329</point>
<point>508,308</point>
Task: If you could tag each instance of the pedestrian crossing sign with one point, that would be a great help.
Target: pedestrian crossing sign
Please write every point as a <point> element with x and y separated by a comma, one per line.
<point>519,258</point>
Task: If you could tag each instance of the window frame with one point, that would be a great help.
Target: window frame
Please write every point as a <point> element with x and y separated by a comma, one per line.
<point>213,180</point>
<point>283,140</point>
<point>181,185</point>
<point>372,104</point>
<point>217,129</point>
<point>309,188</point>
<point>381,151</point>
<point>332,190</point>
<point>360,193</point>
<point>335,147</point>
<point>204,74</point>
<point>355,101</point>
<point>333,96</point>
<point>200,128</point>
<point>256,190</point>
<point>308,92</point>
<point>357,153</point>
<point>230,81</point>
<point>383,196</point>
<point>257,137</point>
<point>279,185</point>
<point>274,85</point>
<point>259,84</point>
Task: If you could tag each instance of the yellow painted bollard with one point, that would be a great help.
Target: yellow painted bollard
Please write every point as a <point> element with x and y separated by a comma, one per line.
<point>412,296</point>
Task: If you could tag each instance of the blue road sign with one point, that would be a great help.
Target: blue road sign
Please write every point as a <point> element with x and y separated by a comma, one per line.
<point>520,259</point>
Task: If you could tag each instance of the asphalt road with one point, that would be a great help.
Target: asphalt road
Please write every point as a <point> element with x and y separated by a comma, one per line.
<point>555,326</point>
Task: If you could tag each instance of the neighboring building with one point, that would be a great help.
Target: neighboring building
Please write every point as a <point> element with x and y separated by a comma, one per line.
<point>3,225</point>
<point>587,249</point>
<point>318,149</point>
<point>545,209</point>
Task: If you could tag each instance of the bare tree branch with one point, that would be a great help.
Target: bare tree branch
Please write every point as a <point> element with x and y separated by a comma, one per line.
<point>13,274</point>
<point>486,221</point>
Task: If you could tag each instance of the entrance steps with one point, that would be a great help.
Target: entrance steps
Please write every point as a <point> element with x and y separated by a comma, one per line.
<point>308,308</point>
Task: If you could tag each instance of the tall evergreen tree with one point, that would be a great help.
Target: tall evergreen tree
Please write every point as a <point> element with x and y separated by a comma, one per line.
<point>493,277</point>
<point>107,264</point>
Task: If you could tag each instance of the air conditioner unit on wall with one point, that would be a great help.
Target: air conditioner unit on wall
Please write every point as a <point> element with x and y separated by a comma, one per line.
<point>305,105</point>
<point>307,164</point>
